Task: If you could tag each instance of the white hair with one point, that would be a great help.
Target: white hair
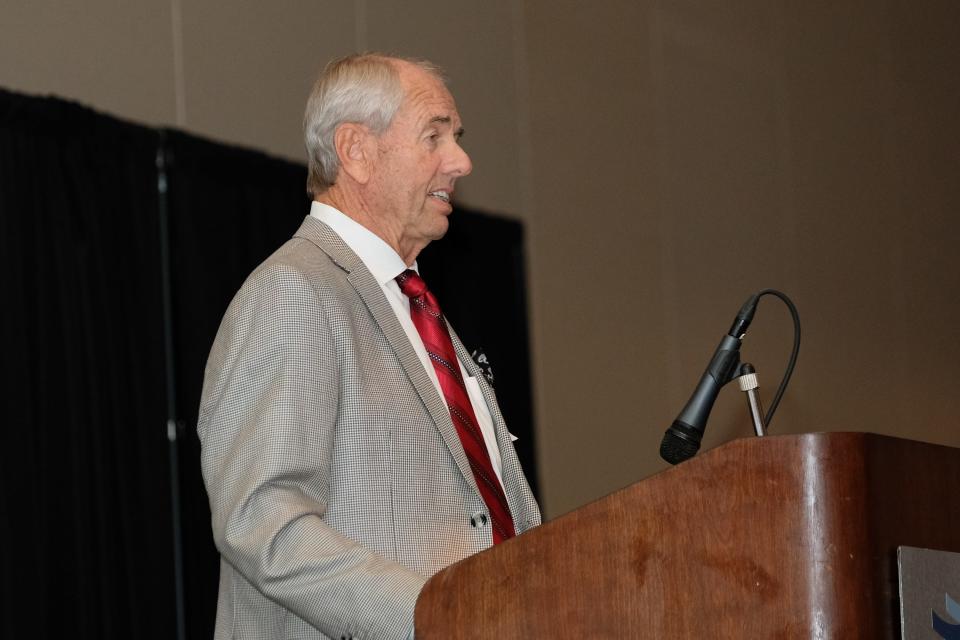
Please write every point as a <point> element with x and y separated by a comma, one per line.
<point>360,88</point>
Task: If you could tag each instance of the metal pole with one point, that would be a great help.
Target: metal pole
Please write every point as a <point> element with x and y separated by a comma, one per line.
<point>169,361</point>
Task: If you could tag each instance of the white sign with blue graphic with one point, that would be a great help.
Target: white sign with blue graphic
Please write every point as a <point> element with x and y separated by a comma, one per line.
<point>929,594</point>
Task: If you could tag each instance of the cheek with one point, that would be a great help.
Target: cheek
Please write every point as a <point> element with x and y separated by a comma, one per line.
<point>430,168</point>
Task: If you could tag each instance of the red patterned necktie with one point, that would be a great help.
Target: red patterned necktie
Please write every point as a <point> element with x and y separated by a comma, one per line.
<point>428,319</point>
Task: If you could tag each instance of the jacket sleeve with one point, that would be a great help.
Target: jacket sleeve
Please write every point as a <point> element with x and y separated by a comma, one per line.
<point>267,425</point>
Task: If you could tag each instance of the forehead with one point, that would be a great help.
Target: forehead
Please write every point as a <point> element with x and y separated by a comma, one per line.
<point>425,98</point>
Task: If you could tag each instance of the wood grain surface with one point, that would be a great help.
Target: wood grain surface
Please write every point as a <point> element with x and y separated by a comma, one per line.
<point>778,537</point>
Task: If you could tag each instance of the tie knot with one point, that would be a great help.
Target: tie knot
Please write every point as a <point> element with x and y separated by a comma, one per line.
<point>411,284</point>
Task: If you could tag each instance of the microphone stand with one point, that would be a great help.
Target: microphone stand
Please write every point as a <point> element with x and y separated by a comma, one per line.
<point>749,384</point>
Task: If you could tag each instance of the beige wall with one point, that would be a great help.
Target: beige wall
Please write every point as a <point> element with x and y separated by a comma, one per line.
<point>668,157</point>
<point>688,153</point>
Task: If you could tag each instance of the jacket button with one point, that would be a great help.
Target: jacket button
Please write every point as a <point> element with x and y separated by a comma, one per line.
<point>478,519</point>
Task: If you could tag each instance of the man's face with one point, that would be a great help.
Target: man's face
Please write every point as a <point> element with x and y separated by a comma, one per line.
<point>418,160</point>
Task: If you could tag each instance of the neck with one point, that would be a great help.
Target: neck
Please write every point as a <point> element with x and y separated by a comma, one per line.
<point>356,207</point>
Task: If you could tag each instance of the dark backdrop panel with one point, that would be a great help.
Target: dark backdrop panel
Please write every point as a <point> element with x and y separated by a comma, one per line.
<point>86,523</point>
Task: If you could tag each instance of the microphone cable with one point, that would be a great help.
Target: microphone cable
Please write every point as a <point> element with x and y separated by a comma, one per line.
<point>792,363</point>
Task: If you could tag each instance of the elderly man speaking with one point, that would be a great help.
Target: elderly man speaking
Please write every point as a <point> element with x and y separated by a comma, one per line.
<point>351,447</point>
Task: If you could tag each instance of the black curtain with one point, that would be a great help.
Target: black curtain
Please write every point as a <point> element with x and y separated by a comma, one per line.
<point>86,523</point>
<point>113,292</point>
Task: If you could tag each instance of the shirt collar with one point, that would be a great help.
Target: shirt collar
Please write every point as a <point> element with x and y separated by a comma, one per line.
<point>383,262</point>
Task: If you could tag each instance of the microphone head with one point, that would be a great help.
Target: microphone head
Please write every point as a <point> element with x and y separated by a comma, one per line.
<point>680,442</point>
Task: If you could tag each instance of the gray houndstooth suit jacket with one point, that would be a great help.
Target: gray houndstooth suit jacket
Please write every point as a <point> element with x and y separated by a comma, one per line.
<point>336,479</point>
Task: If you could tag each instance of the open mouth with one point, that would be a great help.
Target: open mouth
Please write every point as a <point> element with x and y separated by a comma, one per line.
<point>440,195</point>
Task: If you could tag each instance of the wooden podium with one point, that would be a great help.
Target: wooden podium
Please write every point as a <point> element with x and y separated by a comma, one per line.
<point>778,537</point>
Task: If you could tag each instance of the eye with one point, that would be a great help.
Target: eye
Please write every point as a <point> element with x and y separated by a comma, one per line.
<point>433,138</point>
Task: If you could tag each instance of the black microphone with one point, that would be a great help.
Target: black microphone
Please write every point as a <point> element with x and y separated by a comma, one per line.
<point>682,439</point>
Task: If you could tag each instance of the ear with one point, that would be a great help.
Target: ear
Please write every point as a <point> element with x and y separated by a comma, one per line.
<point>352,142</point>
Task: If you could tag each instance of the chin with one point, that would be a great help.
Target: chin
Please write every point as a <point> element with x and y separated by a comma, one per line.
<point>440,229</point>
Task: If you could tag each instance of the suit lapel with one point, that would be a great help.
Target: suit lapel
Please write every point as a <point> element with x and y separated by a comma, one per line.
<point>514,483</point>
<point>372,295</point>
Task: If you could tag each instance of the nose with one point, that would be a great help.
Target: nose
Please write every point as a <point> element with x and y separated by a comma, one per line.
<point>459,164</point>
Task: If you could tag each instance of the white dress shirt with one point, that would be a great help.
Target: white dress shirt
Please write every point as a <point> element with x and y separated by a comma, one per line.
<point>385,265</point>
